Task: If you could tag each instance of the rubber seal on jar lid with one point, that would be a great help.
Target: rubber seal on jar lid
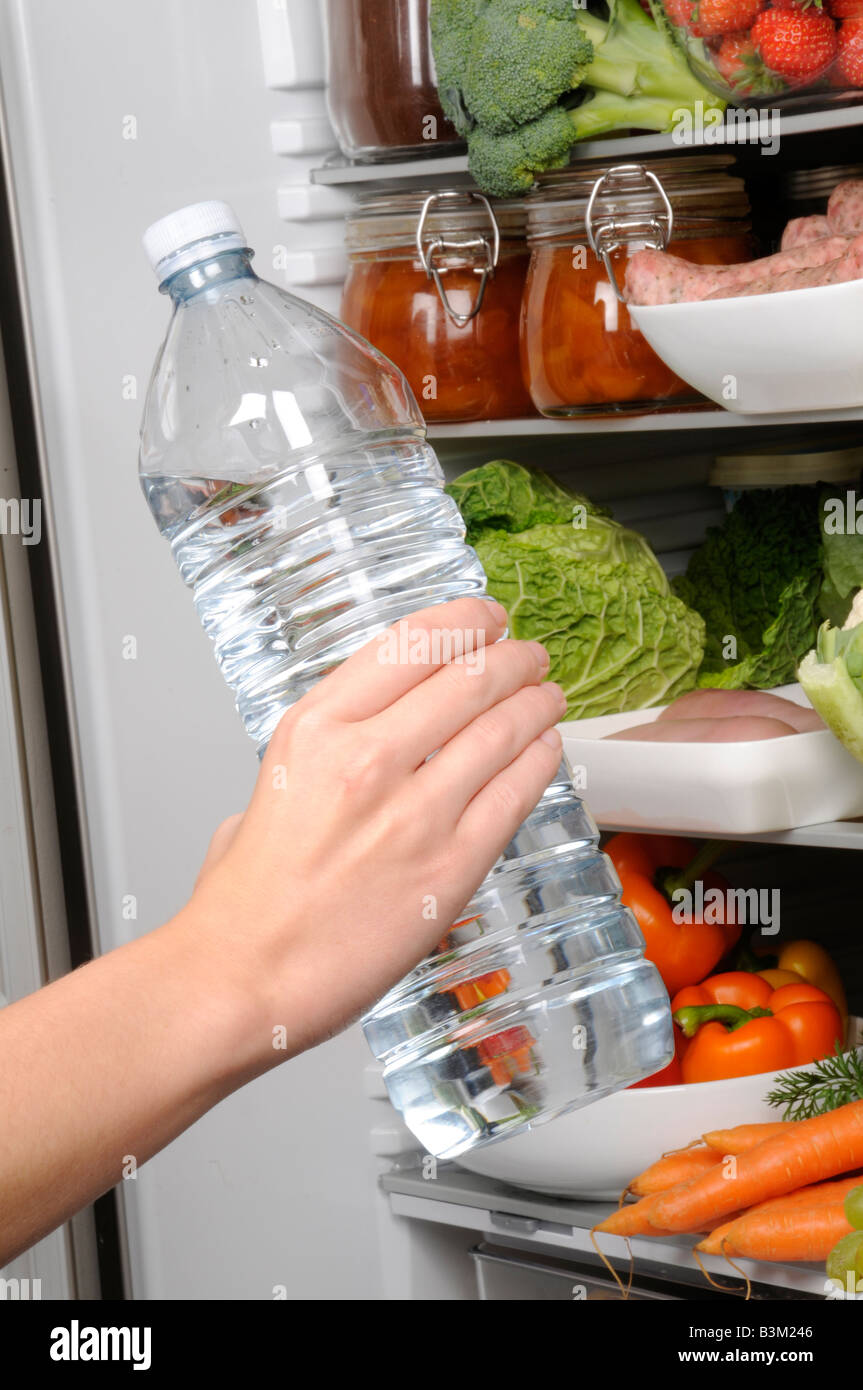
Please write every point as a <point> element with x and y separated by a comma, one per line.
<point>703,194</point>
<point>386,221</point>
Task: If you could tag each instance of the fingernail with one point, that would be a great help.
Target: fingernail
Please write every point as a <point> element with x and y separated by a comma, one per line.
<point>499,613</point>
<point>551,737</point>
<point>556,690</point>
<point>541,655</point>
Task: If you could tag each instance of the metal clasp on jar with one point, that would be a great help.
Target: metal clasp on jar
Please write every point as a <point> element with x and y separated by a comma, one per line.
<point>607,233</point>
<point>434,247</point>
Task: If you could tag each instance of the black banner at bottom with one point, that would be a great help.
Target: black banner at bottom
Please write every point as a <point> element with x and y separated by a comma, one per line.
<point>84,1340</point>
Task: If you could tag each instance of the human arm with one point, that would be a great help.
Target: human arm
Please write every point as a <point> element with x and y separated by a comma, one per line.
<point>323,877</point>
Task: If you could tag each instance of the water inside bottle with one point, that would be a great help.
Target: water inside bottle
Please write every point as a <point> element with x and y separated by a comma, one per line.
<point>285,461</point>
<point>294,572</point>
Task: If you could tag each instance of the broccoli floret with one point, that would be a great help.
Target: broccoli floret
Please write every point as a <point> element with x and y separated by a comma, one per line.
<point>452,24</point>
<point>523,55</point>
<point>510,71</point>
<point>505,165</point>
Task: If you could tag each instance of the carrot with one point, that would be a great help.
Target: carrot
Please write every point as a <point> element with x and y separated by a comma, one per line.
<point>807,1152</point>
<point>678,1166</point>
<point>632,1220</point>
<point>798,1233</point>
<point>821,1194</point>
<point>717,1239</point>
<point>743,1137</point>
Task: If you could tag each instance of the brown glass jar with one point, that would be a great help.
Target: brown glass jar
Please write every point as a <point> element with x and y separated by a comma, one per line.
<point>435,282</point>
<point>581,353</point>
<point>381,87</point>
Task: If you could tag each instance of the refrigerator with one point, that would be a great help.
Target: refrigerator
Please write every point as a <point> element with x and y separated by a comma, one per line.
<point>120,749</point>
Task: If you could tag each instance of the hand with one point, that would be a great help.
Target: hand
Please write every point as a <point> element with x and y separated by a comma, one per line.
<point>358,850</point>
<point>308,907</point>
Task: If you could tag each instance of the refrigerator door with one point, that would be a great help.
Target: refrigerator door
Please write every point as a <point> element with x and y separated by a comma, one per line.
<point>33,940</point>
<point>116,113</point>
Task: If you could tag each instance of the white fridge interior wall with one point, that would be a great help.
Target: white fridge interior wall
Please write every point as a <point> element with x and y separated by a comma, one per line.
<point>115,113</point>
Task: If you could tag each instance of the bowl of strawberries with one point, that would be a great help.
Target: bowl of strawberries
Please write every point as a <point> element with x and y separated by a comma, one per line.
<point>754,51</point>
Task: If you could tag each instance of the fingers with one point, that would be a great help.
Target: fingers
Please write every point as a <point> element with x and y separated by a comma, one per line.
<point>489,744</point>
<point>437,709</point>
<point>401,658</point>
<point>495,813</point>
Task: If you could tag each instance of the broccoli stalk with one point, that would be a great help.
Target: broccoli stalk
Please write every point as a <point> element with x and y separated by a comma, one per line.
<point>509,71</point>
<point>601,112</point>
<point>635,57</point>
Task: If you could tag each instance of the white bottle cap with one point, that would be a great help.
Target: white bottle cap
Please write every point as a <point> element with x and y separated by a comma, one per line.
<point>172,242</point>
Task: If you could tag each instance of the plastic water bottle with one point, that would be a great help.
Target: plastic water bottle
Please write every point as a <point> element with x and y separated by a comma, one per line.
<point>285,461</point>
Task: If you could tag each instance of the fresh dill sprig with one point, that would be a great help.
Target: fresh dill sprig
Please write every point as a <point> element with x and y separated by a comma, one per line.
<point>832,1082</point>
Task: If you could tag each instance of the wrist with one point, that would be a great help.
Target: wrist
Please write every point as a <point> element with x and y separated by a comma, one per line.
<point>226,998</point>
<point>244,979</point>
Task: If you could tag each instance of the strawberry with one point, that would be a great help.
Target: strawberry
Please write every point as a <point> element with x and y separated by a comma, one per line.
<point>717,17</point>
<point>845,9</point>
<point>794,43</point>
<point>682,13</point>
<point>737,61</point>
<point>804,4</point>
<point>850,63</point>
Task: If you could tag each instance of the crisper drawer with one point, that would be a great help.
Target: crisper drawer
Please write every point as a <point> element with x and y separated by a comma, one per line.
<point>508,1275</point>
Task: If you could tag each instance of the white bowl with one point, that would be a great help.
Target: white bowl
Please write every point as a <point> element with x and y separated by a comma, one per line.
<point>765,353</point>
<point>740,788</point>
<point>597,1151</point>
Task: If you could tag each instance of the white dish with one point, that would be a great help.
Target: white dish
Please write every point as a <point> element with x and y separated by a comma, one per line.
<point>712,788</point>
<point>597,1151</point>
<point>765,353</point>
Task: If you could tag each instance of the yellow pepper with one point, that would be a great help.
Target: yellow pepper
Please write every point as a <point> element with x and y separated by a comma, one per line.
<point>809,961</point>
<point>777,978</point>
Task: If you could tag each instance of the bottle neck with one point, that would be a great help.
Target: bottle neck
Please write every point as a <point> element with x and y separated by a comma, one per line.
<point>215,269</point>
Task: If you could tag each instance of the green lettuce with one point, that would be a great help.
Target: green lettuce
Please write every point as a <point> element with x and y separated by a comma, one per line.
<point>618,640</point>
<point>843,555</point>
<point>505,496</point>
<point>590,589</point>
<point>756,581</point>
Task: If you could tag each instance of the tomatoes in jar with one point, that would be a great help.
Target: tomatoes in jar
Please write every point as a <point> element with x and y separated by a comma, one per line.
<point>450,318</point>
<point>581,352</point>
<point>472,372</point>
<point>580,349</point>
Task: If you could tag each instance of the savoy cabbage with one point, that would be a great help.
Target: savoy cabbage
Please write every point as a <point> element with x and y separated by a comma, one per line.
<point>588,588</point>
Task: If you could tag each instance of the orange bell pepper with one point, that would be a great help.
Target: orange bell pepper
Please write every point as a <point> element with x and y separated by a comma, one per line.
<point>739,1025</point>
<point>683,952</point>
<point>806,960</point>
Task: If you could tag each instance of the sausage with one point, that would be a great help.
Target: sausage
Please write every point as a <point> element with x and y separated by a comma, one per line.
<point>845,208</point>
<point>801,231</point>
<point>731,704</point>
<point>743,729</point>
<point>835,272</point>
<point>656,277</point>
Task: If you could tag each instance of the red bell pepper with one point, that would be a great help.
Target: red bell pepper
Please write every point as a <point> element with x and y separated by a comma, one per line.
<point>507,1053</point>
<point>682,951</point>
